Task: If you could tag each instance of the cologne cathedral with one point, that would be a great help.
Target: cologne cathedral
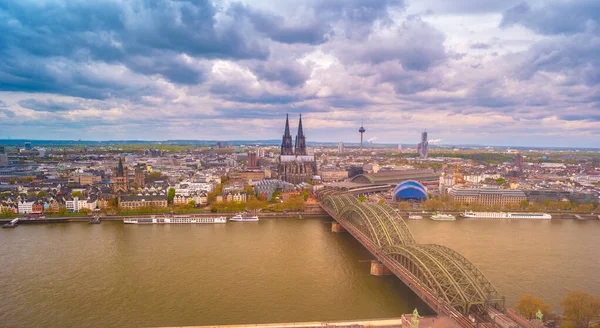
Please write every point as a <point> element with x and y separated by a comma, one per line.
<point>295,165</point>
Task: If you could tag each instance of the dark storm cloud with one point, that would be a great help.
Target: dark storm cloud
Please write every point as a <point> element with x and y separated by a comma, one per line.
<point>144,36</point>
<point>555,17</point>
<point>275,27</point>
<point>469,7</point>
<point>289,72</point>
<point>48,105</point>
<point>416,45</point>
<point>22,72</point>
<point>357,16</point>
<point>575,57</point>
<point>577,117</point>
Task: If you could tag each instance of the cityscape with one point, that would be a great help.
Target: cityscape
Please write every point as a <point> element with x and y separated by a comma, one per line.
<point>299,164</point>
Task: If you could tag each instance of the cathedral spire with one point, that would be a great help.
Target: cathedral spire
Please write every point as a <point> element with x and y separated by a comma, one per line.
<point>287,127</point>
<point>300,132</point>
<point>286,143</point>
<point>300,146</point>
<point>120,170</point>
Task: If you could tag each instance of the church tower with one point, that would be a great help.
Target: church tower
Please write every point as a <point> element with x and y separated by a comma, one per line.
<point>286,144</point>
<point>300,145</point>
<point>120,183</point>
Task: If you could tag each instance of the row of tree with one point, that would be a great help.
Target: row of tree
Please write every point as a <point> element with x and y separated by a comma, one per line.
<point>580,308</point>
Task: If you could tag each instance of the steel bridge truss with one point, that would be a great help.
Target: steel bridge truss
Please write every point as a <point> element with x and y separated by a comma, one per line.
<point>441,270</point>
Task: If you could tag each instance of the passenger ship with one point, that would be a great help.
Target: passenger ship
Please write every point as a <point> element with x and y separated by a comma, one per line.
<point>175,220</point>
<point>243,217</point>
<point>442,217</point>
<point>504,215</point>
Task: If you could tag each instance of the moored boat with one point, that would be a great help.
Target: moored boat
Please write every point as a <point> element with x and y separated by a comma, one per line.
<point>176,220</point>
<point>12,224</point>
<point>505,215</point>
<point>243,217</point>
<point>414,217</point>
<point>443,217</point>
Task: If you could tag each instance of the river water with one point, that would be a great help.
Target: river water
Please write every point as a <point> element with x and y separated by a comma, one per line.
<point>281,270</point>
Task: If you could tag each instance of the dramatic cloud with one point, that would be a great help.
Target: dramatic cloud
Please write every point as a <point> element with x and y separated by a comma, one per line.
<point>492,72</point>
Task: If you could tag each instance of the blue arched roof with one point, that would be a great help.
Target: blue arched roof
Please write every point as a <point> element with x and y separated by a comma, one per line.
<point>410,190</point>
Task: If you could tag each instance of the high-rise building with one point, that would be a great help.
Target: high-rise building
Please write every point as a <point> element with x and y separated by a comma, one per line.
<point>295,165</point>
<point>2,151</point>
<point>423,146</point>
<point>28,145</point>
<point>400,147</point>
<point>341,148</point>
<point>252,160</point>
<point>519,162</point>
<point>361,130</point>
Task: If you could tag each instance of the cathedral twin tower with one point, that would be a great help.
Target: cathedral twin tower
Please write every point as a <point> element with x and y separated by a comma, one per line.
<point>295,165</point>
<point>286,145</point>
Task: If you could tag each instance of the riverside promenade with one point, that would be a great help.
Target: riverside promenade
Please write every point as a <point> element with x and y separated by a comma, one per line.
<point>404,321</point>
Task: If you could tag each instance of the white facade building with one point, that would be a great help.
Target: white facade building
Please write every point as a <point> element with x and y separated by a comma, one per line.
<point>25,207</point>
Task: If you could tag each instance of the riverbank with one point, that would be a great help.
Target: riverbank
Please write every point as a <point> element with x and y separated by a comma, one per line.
<point>293,215</point>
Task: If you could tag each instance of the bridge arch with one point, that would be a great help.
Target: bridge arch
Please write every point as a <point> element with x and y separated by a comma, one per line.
<point>453,279</point>
<point>447,274</point>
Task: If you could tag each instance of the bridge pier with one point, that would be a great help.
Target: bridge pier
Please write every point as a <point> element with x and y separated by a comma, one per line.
<point>379,269</point>
<point>336,227</point>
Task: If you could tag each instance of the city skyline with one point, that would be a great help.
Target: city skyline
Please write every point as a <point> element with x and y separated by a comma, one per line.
<point>498,73</point>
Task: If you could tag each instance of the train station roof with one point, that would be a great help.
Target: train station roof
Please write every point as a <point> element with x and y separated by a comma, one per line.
<point>396,177</point>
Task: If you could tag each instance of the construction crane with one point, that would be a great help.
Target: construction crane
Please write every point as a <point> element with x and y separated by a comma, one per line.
<point>458,177</point>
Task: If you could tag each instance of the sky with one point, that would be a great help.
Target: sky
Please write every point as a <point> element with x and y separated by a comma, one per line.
<point>490,72</point>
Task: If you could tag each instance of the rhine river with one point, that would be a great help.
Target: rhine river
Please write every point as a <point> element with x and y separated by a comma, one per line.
<point>281,270</point>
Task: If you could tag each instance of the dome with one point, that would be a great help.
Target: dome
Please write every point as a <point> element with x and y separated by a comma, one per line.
<point>410,190</point>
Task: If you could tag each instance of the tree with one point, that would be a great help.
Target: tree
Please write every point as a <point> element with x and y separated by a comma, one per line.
<point>404,206</point>
<point>500,181</point>
<point>113,202</point>
<point>248,189</point>
<point>63,211</point>
<point>224,179</point>
<point>433,204</point>
<point>585,208</point>
<point>77,194</point>
<point>524,204</point>
<point>41,194</point>
<point>528,306</point>
<point>154,175</point>
<point>381,202</point>
<point>362,198</point>
<point>305,194</point>
<point>254,204</point>
<point>294,203</point>
<point>84,210</point>
<point>6,212</point>
<point>213,194</point>
<point>170,195</point>
<point>275,196</point>
<point>580,307</point>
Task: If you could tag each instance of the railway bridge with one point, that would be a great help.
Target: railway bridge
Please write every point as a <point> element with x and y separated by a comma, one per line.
<point>449,283</point>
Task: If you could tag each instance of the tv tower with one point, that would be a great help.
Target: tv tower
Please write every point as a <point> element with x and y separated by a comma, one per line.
<point>361,130</point>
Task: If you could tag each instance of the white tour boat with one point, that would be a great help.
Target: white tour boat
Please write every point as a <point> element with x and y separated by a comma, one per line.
<point>504,215</point>
<point>443,217</point>
<point>243,217</point>
<point>414,217</point>
<point>176,220</point>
